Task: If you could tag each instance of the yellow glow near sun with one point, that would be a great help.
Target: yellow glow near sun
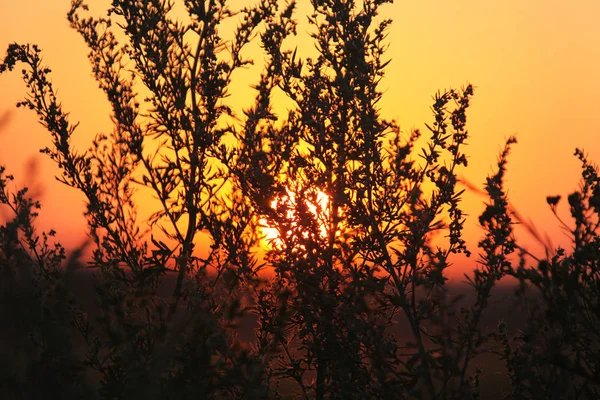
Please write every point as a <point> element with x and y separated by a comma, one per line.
<point>319,208</point>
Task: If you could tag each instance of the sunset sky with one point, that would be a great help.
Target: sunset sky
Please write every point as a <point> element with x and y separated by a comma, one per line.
<point>535,65</point>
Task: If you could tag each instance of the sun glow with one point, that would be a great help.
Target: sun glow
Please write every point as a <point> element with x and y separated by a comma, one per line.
<point>297,213</point>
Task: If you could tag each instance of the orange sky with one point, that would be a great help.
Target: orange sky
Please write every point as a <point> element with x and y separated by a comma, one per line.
<point>535,65</point>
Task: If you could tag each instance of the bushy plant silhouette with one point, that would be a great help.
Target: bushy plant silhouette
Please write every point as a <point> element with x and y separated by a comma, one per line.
<point>37,346</point>
<point>557,353</point>
<point>141,345</point>
<point>346,271</point>
<point>356,306</point>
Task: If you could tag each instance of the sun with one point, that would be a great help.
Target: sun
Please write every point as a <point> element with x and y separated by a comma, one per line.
<point>316,206</point>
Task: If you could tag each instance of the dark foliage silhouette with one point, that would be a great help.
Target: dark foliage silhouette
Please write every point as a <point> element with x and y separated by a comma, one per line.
<point>557,353</point>
<point>356,305</point>
<point>347,273</point>
<point>141,345</point>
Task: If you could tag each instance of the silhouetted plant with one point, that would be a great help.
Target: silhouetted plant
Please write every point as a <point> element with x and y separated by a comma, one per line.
<point>351,265</point>
<point>36,337</point>
<point>140,345</point>
<point>557,354</point>
<point>357,306</point>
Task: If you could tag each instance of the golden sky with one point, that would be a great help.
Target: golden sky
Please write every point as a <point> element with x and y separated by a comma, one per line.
<point>535,65</point>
